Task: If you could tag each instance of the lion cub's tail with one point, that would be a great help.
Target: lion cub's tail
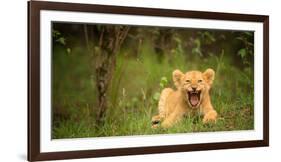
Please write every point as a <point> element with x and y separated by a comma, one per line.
<point>162,101</point>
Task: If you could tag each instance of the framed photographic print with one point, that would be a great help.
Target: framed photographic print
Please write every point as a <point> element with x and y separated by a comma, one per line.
<point>112,80</point>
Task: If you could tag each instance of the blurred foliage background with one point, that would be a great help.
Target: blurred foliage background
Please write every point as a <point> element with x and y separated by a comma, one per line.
<point>106,79</point>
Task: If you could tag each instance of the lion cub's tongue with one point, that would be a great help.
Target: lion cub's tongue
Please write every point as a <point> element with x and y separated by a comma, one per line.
<point>194,99</point>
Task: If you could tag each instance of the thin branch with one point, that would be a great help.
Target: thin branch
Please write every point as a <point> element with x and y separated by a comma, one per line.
<point>86,37</point>
<point>101,37</point>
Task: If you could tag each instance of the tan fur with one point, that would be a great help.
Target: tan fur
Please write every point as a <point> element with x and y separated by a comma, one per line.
<point>174,104</point>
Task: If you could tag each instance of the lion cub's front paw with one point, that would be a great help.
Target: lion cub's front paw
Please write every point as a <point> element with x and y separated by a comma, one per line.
<point>154,126</point>
<point>210,117</point>
<point>155,121</point>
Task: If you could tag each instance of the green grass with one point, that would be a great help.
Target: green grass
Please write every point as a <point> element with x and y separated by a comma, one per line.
<point>131,102</point>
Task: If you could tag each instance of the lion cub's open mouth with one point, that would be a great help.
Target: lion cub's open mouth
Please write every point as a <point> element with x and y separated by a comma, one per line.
<point>194,98</point>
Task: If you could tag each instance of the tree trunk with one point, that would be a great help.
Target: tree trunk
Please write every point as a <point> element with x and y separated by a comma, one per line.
<point>103,77</point>
<point>111,39</point>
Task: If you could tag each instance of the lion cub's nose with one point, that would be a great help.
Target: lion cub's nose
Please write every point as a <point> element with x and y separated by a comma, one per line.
<point>194,88</point>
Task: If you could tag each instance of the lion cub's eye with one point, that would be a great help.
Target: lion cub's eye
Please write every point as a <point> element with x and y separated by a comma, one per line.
<point>187,81</point>
<point>200,81</point>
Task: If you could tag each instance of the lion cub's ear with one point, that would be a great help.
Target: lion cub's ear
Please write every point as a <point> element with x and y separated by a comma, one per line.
<point>209,76</point>
<point>177,75</point>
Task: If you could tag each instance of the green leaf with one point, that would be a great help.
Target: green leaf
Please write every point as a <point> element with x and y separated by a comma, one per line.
<point>210,36</point>
<point>155,32</point>
<point>163,82</point>
<point>240,38</point>
<point>68,50</point>
<point>177,39</point>
<point>164,79</point>
<point>156,96</point>
<point>197,43</point>
<point>56,33</point>
<point>196,51</point>
<point>242,52</point>
<point>249,33</point>
<point>161,85</point>
<point>61,40</point>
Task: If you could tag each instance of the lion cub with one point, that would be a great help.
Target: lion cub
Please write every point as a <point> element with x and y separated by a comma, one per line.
<point>192,94</point>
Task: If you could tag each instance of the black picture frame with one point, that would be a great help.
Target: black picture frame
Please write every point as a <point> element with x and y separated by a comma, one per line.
<point>34,8</point>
